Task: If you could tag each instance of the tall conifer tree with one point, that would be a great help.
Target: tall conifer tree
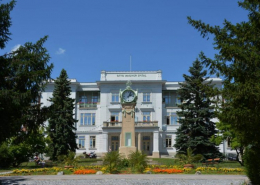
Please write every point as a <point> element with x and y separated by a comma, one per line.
<point>22,76</point>
<point>238,61</point>
<point>61,129</point>
<point>196,113</point>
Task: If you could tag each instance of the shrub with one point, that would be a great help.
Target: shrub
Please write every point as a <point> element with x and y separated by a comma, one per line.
<point>124,163</point>
<point>6,157</point>
<point>138,161</point>
<point>189,158</point>
<point>69,159</point>
<point>112,160</point>
<point>252,164</point>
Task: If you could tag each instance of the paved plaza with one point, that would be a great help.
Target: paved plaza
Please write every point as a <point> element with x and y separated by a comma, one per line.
<point>119,179</point>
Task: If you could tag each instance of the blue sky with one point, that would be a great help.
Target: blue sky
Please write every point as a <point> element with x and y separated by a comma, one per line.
<point>87,36</point>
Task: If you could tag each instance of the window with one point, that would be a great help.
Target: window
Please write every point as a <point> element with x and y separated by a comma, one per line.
<point>92,142</point>
<point>87,119</point>
<point>81,142</point>
<point>178,100</point>
<point>146,97</point>
<point>95,97</point>
<point>115,97</point>
<point>114,138</point>
<point>146,138</point>
<point>114,117</point>
<point>84,99</point>
<point>172,118</point>
<point>88,99</point>
<point>167,98</point>
<point>170,98</point>
<point>146,116</point>
<point>168,141</point>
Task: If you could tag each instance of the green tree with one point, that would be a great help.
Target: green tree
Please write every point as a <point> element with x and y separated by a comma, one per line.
<point>226,132</point>
<point>20,148</point>
<point>196,113</point>
<point>22,76</point>
<point>238,61</point>
<point>61,129</point>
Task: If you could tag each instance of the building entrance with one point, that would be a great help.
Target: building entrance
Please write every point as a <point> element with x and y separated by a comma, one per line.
<point>114,143</point>
<point>146,144</point>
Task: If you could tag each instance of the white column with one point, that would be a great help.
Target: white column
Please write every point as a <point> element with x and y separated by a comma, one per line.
<point>105,142</point>
<point>156,144</point>
<point>139,141</point>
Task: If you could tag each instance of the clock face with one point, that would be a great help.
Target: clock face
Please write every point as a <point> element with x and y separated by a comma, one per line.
<point>128,96</point>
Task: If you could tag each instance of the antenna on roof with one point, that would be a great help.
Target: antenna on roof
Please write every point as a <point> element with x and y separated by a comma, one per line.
<point>130,62</point>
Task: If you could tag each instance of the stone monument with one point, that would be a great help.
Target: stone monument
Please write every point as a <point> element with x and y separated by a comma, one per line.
<point>128,98</point>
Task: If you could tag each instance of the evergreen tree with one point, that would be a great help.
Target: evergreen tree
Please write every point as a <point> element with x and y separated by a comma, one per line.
<point>196,113</point>
<point>61,129</point>
<point>22,76</point>
<point>238,61</point>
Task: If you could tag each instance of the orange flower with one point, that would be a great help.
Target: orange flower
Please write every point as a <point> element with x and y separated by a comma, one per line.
<point>86,171</point>
<point>169,171</point>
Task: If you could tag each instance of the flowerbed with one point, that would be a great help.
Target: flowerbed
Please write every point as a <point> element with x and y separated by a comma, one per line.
<point>156,169</point>
<point>86,171</point>
<point>220,169</point>
<point>54,170</point>
<point>169,171</point>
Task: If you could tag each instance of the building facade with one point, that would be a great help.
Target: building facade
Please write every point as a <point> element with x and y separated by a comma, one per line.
<point>99,112</point>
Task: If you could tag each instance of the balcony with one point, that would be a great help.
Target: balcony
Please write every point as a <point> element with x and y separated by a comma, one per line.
<point>146,124</point>
<point>137,124</point>
<point>112,124</point>
<point>171,105</point>
<point>83,105</point>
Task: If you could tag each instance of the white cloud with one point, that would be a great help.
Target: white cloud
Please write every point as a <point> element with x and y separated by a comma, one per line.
<point>15,48</point>
<point>60,51</point>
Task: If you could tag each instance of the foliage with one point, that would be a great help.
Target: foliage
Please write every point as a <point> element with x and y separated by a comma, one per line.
<point>252,162</point>
<point>113,160</point>
<point>20,148</point>
<point>22,76</point>
<point>138,161</point>
<point>61,129</point>
<point>6,157</point>
<point>238,62</point>
<point>189,158</point>
<point>196,125</point>
<point>5,21</point>
<point>226,132</point>
<point>70,159</point>
<point>124,163</point>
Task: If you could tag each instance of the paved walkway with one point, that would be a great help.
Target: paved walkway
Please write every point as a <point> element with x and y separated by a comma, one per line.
<point>135,179</point>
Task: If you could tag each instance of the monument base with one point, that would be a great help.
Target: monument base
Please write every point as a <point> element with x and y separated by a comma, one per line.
<point>156,155</point>
<point>126,150</point>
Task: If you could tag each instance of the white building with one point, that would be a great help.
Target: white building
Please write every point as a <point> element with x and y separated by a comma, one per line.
<point>98,111</point>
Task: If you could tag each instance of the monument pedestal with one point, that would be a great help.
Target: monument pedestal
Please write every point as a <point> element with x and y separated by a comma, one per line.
<point>127,145</point>
<point>126,150</point>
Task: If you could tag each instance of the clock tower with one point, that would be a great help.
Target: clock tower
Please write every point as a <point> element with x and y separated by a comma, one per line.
<point>128,98</point>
